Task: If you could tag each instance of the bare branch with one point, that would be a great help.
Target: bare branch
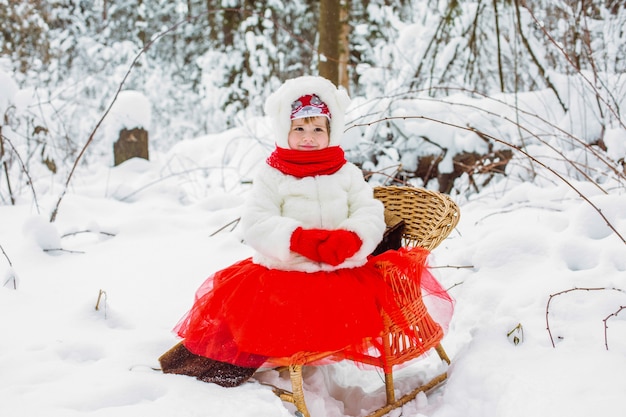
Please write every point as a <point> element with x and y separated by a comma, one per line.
<point>606,342</point>
<point>87,231</point>
<point>19,158</point>
<point>6,256</point>
<point>512,146</point>
<point>577,289</point>
<point>233,223</point>
<point>63,250</point>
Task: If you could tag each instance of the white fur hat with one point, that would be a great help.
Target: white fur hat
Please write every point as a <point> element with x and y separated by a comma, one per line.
<point>278,106</point>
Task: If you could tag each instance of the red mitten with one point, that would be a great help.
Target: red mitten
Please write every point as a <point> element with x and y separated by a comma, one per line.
<point>307,241</point>
<point>340,245</point>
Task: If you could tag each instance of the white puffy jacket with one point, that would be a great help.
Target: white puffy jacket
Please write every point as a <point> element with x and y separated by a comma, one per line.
<point>280,203</point>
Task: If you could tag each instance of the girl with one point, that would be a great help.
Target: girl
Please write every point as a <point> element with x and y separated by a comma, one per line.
<point>311,285</point>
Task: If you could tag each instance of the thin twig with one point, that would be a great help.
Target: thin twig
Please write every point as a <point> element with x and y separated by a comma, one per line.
<point>24,170</point>
<point>606,342</point>
<point>102,294</point>
<point>5,165</point>
<point>455,285</point>
<point>390,177</point>
<point>87,231</point>
<point>571,290</point>
<point>519,329</point>
<point>63,250</point>
<point>10,278</point>
<point>234,223</point>
<point>12,275</point>
<point>6,256</point>
<point>452,267</point>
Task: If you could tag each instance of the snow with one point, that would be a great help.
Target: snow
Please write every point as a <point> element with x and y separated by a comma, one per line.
<point>130,110</point>
<point>88,302</point>
<point>616,143</point>
<point>9,88</point>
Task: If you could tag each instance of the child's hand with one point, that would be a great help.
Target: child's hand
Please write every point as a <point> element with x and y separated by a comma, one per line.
<point>340,245</point>
<point>328,246</point>
<point>307,241</point>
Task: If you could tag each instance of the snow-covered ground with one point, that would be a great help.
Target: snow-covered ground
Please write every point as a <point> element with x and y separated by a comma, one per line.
<point>88,302</point>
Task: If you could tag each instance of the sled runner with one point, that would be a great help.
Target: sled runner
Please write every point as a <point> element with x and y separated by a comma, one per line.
<point>425,219</point>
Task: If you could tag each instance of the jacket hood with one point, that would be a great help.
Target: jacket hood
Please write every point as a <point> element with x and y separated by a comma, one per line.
<point>278,106</point>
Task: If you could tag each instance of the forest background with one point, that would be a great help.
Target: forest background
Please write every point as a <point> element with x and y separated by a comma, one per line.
<point>206,66</point>
<point>512,107</point>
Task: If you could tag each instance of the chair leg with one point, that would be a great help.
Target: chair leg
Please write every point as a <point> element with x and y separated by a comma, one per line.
<point>389,388</point>
<point>442,354</point>
<point>295,373</point>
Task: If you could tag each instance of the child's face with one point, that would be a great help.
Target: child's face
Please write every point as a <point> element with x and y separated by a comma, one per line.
<point>309,134</point>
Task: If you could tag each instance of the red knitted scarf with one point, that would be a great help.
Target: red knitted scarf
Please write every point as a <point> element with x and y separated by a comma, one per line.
<point>307,163</point>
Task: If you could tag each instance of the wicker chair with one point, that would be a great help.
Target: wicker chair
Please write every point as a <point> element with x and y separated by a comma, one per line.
<point>429,217</point>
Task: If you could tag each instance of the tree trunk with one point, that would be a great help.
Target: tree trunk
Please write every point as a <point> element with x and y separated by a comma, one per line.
<point>329,28</point>
<point>344,46</point>
<point>131,144</point>
<point>142,35</point>
<point>497,23</point>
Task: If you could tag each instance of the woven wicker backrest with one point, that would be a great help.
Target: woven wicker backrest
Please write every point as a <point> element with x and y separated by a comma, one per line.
<point>429,216</point>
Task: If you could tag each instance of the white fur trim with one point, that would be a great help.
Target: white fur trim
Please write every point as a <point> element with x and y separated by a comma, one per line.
<point>279,203</point>
<point>278,106</point>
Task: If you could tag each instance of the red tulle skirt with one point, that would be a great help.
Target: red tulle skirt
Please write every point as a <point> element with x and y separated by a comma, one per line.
<point>249,315</point>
